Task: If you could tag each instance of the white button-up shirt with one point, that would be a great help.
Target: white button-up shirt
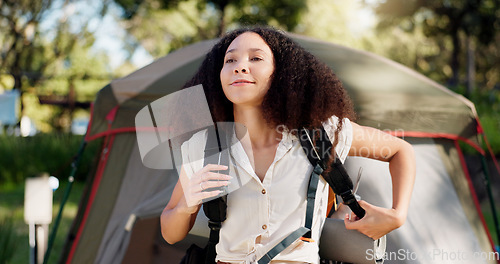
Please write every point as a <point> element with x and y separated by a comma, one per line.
<point>260,214</point>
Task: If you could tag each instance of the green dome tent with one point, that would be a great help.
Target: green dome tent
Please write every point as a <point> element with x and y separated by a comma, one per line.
<point>118,217</point>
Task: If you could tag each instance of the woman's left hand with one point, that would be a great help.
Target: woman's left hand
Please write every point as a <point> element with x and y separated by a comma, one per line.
<point>377,221</point>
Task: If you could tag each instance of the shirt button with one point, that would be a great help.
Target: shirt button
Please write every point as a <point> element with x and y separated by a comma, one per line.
<point>264,227</point>
<point>263,191</point>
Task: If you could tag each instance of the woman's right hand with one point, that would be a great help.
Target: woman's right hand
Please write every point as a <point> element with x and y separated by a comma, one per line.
<point>196,187</point>
<point>179,215</point>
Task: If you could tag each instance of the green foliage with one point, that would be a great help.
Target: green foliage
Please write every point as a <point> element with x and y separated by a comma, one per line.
<point>428,56</point>
<point>281,13</point>
<point>160,31</point>
<point>8,239</point>
<point>46,50</point>
<point>84,72</point>
<point>336,21</point>
<point>28,49</point>
<point>161,26</point>
<point>464,33</point>
<point>52,153</point>
<point>445,17</point>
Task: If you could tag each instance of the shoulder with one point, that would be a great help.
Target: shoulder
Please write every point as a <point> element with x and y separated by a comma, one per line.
<point>198,138</point>
<point>194,145</point>
<point>332,123</point>
<point>345,135</point>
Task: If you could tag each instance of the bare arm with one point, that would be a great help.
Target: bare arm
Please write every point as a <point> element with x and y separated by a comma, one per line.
<point>177,219</point>
<point>179,215</point>
<point>373,143</point>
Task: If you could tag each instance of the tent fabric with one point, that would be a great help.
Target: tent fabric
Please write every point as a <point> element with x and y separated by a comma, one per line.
<point>451,156</point>
<point>132,203</point>
<point>125,197</point>
<point>101,200</point>
<point>137,191</point>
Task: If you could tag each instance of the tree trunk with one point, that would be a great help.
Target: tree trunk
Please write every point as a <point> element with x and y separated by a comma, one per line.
<point>471,66</point>
<point>17,74</point>
<point>454,62</point>
<point>222,25</point>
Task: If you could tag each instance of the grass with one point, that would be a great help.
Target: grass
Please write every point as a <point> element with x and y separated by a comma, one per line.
<point>12,209</point>
<point>8,240</point>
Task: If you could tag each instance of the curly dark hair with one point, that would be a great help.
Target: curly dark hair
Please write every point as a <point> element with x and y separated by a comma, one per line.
<point>304,91</point>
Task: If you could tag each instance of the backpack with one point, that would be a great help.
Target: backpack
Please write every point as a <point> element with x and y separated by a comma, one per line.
<point>317,146</point>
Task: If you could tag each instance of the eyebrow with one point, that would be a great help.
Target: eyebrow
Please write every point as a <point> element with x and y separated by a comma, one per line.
<point>251,49</point>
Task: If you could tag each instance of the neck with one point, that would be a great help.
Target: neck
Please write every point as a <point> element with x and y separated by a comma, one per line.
<point>261,133</point>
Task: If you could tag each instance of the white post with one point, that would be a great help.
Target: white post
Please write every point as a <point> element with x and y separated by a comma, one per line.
<point>38,215</point>
<point>32,241</point>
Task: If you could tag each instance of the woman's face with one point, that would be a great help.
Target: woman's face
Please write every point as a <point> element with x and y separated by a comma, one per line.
<point>247,70</point>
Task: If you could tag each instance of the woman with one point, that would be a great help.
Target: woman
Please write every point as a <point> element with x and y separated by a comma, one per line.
<point>260,78</point>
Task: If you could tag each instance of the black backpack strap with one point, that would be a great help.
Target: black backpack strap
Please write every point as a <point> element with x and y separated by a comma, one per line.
<point>216,152</point>
<point>337,178</point>
<point>341,184</point>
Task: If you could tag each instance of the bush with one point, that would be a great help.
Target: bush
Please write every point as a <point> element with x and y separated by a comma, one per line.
<point>22,157</point>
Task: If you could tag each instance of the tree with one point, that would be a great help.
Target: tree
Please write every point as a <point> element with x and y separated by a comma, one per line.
<point>164,25</point>
<point>335,21</point>
<point>37,37</point>
<point>465,22</point>
<point>68,87</point>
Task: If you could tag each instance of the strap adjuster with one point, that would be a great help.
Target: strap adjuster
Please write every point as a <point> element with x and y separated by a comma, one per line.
<point>305,239</point>
<point>213,225</point>
<point>348,197</point>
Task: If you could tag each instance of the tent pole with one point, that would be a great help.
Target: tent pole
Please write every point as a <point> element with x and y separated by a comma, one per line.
<point>490,197</point>
<point>71,179</point>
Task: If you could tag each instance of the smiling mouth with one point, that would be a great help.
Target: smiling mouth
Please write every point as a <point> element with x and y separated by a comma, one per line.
<point>239,82</point>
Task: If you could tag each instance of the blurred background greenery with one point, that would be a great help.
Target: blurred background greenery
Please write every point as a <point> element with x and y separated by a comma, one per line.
<point>58,53</point>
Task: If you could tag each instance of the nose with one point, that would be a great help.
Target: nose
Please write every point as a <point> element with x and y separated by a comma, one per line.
<point>241,68</point>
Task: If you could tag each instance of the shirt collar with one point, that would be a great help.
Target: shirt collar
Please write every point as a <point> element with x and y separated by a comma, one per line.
<point>287,137</point>
<point>287,141</point>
